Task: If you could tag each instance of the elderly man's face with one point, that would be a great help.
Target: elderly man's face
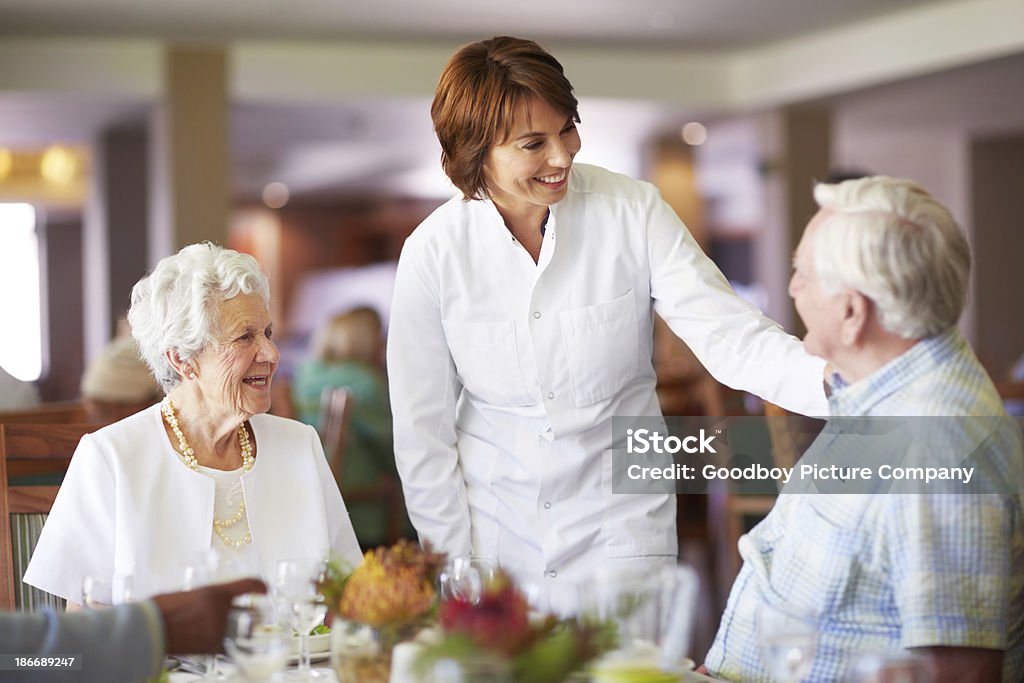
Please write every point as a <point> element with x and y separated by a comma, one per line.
<point>821,313</point>
<point>236,371</point>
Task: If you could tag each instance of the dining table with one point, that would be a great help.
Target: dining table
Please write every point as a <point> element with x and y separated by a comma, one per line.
<point>179,676</point>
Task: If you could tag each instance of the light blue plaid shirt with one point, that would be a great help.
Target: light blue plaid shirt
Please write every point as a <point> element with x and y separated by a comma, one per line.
<point>887,571</point>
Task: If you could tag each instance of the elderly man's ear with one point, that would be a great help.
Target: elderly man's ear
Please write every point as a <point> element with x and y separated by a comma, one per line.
<point>857,312</point>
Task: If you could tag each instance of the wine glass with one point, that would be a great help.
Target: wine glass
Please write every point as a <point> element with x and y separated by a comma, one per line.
<point>788,642</point>
<point>97,592</point>
<point>464,578</point>
<point>203,570</point>
<point>892,667</point>
<point>295,592</point>
<point>653,614</point>
<point>253,638</point>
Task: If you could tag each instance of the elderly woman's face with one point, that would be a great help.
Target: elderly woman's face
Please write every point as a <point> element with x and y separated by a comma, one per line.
<point>531,168</point>
<point>237,369</point>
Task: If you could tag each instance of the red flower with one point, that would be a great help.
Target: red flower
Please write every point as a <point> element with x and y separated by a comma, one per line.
<point>499,622</point>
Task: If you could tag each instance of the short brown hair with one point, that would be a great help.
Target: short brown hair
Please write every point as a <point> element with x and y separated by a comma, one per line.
<point>483,86</point>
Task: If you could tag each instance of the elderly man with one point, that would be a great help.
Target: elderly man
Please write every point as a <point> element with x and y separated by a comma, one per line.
<point>880,279</point>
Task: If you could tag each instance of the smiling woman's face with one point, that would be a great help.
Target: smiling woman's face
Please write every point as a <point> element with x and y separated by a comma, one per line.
<point>235,372</point>
<point>530,170</point>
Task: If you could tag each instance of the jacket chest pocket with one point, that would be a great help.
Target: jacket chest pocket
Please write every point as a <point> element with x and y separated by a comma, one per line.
<point>487,361</point>
<point>601,347</point>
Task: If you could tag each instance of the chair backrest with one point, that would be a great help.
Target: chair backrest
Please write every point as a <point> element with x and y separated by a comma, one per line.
<point>335,417</point>
<point>108,412</point>
<point>1011,390</point>
<point>64,412</point>
<point>29,452</point>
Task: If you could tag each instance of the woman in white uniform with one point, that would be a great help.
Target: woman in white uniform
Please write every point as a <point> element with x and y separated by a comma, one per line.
<point>205,468</point>
<point>522,322</point>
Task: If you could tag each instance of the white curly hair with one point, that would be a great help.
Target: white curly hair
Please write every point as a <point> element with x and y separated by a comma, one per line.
<point>173,307</point>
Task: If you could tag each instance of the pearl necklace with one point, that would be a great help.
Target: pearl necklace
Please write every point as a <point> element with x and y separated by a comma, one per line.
<point>188,457</point>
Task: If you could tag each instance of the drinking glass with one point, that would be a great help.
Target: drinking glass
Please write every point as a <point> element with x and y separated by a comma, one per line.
<point>892,667</point>
<point>254,639</point>
<point>98,592</point>
<point>464,578</point>
<point>295,593</point>
<point>203,570</point>
<point>788,640</point>
<point>653,614</point>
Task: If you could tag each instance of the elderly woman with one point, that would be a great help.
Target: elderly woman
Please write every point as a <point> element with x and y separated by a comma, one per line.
<point>205,467</point>
<point>522,322</point>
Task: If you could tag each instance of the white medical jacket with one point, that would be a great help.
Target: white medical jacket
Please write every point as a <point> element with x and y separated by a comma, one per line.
<point>505,373</point>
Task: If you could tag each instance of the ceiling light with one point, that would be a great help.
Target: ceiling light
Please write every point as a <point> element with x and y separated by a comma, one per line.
<point>58,165</point>
<point>695,133</point>
<point>6,162</point>
<point>275,195</point>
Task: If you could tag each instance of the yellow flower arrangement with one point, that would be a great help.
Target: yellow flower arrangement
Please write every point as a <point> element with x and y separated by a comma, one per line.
<point>379,593</point>
<point>392,587</point>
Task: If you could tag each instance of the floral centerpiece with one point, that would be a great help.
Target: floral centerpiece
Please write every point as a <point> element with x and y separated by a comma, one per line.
<point>496,638</point>
<point>383,601</point>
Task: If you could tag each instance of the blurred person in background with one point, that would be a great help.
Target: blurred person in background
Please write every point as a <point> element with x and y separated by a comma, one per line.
<point>16,394</point>
<point>347,351</point>
<point>204,468</point>
<point>522,322</point>
<point>117,382</point>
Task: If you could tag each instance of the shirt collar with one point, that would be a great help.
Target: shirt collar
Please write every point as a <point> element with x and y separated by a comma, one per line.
<point>861,396</point>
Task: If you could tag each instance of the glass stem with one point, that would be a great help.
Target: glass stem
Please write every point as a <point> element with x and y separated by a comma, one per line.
<point>304,663</point>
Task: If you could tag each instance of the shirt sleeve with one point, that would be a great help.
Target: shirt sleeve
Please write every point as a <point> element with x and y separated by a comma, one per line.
<point>950,559</point>
<point>424,390</point>
<point>78,537</point>
<point>339,526</point>
<point>123,643</point>
<point>739,346</point>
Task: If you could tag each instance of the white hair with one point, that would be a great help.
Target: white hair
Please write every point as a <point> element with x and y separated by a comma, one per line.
<point>173,307</point>
<point>892,241</point>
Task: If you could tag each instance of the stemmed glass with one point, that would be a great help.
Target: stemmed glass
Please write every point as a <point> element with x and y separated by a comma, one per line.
<point>892,667</point>
<point>102,593</point>
<point>788,642</point>
<point>295,592</point>
<point>653,614</point>
<point>253,638</point>
<point>464,578</point>
<point>204,570</point>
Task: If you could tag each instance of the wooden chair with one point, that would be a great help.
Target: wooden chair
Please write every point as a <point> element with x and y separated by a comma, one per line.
<point>735,511</point>
<point>63,412</point>
<point>108,412</point>
<point>335,419</point>
<point>1011,390</point>
<point>29,450</point>
<point>333,424</point>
